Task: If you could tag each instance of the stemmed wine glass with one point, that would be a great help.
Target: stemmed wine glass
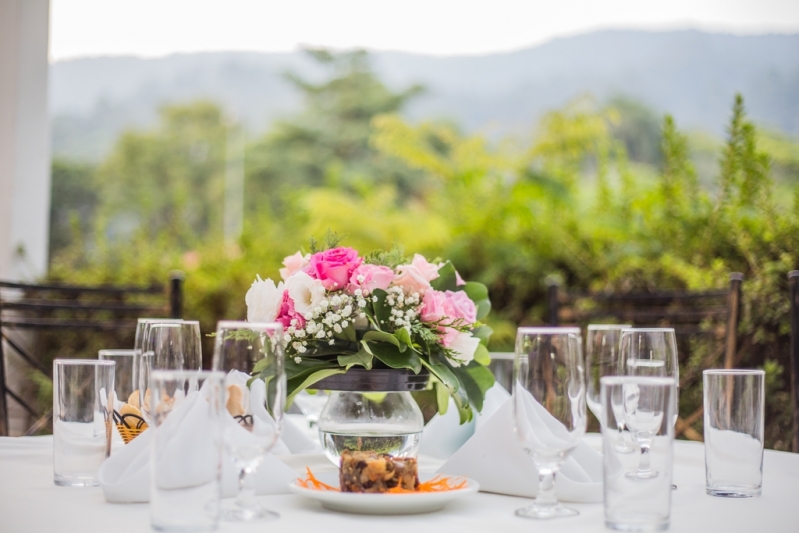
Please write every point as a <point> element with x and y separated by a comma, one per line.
<point>646,352</point>
<point>255,395</point>
<point>549,407</point>
<point>602,359</point>
<point>172,345</point>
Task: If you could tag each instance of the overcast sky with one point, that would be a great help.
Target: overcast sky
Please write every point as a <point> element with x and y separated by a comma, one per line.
<point>153,28</point>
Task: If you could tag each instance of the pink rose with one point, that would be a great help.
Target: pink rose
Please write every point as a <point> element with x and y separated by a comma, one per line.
<point>433,306</point>
<point>370,277</point>
<point>459,280</point>
<point>333,267</point>
<point>416,277</point>
<point>448,336</point>
<point>293,263</point>
<point>287,313</point>
<point>459,306</point>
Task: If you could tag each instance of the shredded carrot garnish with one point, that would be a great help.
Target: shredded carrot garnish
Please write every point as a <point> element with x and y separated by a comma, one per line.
<point>437,484</point>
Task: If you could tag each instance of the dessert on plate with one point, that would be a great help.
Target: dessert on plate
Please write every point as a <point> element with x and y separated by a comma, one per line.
<point>376,472</point>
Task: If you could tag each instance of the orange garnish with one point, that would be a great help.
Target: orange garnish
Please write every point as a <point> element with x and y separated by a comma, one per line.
<point>437,484</point>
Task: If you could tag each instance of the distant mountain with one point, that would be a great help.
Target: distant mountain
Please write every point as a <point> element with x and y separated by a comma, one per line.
<point>691,74</point>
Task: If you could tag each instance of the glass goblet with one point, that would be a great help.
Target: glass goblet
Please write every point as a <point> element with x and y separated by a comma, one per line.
<point>549,407</point>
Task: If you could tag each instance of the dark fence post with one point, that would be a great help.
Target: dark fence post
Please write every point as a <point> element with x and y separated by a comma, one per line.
<point>552,303</point>
<point>3,399</point>
<point>793,285</point>
<point>176,294</point>
<point>733,315</point>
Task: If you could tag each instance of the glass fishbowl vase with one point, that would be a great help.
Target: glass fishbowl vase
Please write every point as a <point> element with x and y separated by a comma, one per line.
<point>381,421</point>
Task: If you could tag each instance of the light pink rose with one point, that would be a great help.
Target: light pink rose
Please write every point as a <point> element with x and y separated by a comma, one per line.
<point>333,267</point>
<point>459,280</point>
<point>370,277</point>
<point>448,336</point>
<point>459,306</point>
<point>287,313</point>
<point>433,308</point>
<point>293,263</point>
<point>417,276</point>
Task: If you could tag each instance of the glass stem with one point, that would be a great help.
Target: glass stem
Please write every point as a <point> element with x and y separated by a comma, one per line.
<point>621,433</point>
<point>644,465</point>
<point>246,496</point>
<point>546,488</point>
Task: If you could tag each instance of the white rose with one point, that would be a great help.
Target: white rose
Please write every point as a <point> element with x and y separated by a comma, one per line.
<point>306,292</point>
<point>263,300</point>
<point>464,346</point>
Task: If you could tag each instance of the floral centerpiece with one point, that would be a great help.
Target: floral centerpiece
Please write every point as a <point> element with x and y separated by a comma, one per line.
<point>341,310</point>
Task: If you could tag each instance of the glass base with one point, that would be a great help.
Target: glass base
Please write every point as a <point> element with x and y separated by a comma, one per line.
<point>544,512</point>
<point>255,513</point>
<point>733,492</point>
<point>642,526</point>
<point>622,447</point>
<point>646,474</point>
<point>62,481</point>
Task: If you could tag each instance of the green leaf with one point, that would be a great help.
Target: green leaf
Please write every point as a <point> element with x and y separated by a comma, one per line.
<point>483,333</point>
<point>307,366</point>
<point>382,311</point>
<point>310,380</point>
<point>404,338</point>
<point>464,409</point>
<point>391,356</point>
<point>260,365</point>
<point>478,293</point>
<point>347,334</point>
<point>362,358</point>
<point>476,380</point>
<point>446,280</point>
<point>381,336</point>
<point>481,355</point>
<point>442,398</point>
<point>443,373</point>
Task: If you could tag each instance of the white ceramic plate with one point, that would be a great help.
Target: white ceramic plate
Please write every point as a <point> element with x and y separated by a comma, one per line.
<point>350,502</point>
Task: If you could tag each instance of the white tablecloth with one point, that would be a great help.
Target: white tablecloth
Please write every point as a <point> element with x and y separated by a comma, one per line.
<point>31,503</point>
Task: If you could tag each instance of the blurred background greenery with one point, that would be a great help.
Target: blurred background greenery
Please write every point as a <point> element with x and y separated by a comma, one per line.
<point>604,195</point>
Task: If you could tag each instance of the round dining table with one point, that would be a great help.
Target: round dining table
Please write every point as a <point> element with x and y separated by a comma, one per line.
<point>31,503</point>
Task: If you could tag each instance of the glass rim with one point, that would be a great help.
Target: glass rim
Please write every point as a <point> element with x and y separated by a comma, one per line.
<point>166,375</point>
<point>243,324</point>
<point>165,320</point>
<point>601,327</point>
<point>117,351</point>
<point>733,372</point>
<point>548,330</point>
<point>87,362</point>
<point>649,330</point>
<point>637,380</point>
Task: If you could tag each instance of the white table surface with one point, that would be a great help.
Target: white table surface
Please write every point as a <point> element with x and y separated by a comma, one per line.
<point>31,503</point>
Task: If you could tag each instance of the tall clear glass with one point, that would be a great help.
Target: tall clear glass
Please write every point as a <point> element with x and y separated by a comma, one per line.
<point>245,350</point>
<point>635,502</point>
<point>83,396</point>
<point>602,359</point>
<point>127,371</point>
<point>549,407</point>
<point>186,450</point>
<point>650,352</point>
<point>142,328</point>
<point>168,346</point>
<point>734,407</point>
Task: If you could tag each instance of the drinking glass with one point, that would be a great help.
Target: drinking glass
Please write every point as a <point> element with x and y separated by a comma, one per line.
<point>246,350</point>
<point>549,407</point>
<point>602,359</point>
<point>142,328</point>
<point>168,346</point>
<point>649,352</point>
<point>83,396</point>
<point>734,405</point>
<point>127,371</point>
<point>638,502</point>
<point>186,450</point>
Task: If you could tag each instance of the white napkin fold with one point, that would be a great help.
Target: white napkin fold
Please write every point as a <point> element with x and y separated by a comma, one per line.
<point>494,458</point>
<point>125,476</point>
<point>444,434</point>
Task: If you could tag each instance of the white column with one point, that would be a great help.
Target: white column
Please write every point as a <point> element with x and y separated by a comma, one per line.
<point>24,139</point>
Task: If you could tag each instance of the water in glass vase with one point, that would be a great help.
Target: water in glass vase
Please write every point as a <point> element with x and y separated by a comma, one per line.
<point>373,439</point>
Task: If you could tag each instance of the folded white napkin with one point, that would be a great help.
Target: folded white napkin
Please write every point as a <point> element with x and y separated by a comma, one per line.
<point>125,476</point>
<point>444,434</point>
<point>494,458</point>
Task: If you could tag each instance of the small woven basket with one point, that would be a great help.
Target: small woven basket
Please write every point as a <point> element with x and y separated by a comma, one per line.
<point>128,434</point>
